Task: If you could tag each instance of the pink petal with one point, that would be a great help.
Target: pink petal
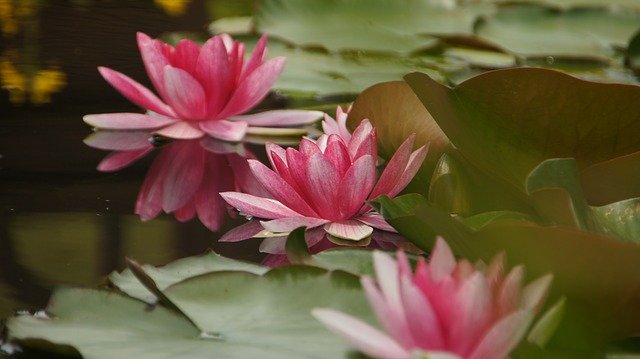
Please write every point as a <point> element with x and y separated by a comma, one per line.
<point>376,221</point>
<point>185,95</point>
<point>390,315</point>
<point>149,201</point>
<point>469,321</point>
<point>308,147</point>
<point>364,337</point>
<point>135,92</point>
<point>215,73</point>
<point>322,182</point>
<point>232,131</point>
<point>185,169</point>
<point>254,88</point>
<point>337,153</point>
<point>217,177</point>
<point>415,161</point>
<point>186,213</point>
<point>257,56</point>
<point>274,245</point>
<point>355,186</point>
<point>154,61</point>
<point>242,232</point>
<point>120,159</point>
<point>181,131</point>
<point>272,150</point>
<point>118,140</point>
<point>186,55</point>
<point>359,136</point>
<point>290,223</point>
<point>126,121</point>
<point>422,319</point>
<point>535,292</point>
<point>395,167</point>
<point>504,336</point>
<point>280,189</point>
<point>508,298</point>
<point>348,229</point>
<point>280,118</point>
<point>442,260</point>
<point>256,206</point>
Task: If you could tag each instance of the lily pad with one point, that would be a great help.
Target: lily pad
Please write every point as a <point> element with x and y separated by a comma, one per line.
<point>613,180</point>
<point>633,53</point>
<point>177,271</point>
<point>506,122</point>
<point>238,315</point>
<point>538,31</point>
<point>369,25</point>
<point>551,178</point>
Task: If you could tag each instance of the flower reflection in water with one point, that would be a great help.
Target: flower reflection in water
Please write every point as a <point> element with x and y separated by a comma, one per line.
<point>185,177</point>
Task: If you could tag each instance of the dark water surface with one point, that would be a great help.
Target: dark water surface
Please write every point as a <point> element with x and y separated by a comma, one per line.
<point>61,221</point>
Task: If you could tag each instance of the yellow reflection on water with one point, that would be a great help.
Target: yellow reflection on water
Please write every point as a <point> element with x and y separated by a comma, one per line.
<point>173,7</point>
<point>36,87</point>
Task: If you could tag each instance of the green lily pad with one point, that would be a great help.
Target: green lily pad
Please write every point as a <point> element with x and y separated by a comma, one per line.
<point>369,25</point>
<point>506,122</point>
<point>568,4</point>
<point>102,324</point>
<point>537,31</point>
<point>177,271</point>
<point>245,313</point>
<point>551,178</point>
<point>309,73</point>
<point>236,315</point>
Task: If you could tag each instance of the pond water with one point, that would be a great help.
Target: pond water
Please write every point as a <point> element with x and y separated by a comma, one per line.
<point>61,221</point>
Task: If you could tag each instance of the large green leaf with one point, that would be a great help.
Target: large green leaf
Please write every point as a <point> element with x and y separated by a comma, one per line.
<point>102,324</point>
<point>177,271</point>
<point>533,30</point>
<point>505,122</point>
<point>236,315</point>
<point>246,313</point>
<point>370,25</point>
<point>555,187</point>
<point>567,4</point>
<point>598,275</point>
<point>396,113</point>
<point>613,180</point>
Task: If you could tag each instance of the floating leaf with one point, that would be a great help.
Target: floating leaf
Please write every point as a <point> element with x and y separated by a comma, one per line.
<point>371,25</point>
<point>537,31</point>
<point>633,53</point>
<point>505,122</point>
<point>238,315</point>
<point>177,271</point>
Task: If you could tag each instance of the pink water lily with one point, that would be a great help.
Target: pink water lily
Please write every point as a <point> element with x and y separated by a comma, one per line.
<point>326,183</point>
<point>446,309</point>
<point>185,177</point>
<point>202,90</point>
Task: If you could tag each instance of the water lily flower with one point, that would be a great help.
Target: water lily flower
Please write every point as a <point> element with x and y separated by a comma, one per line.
<point>185,177</point>
<point>446,309</point>
<point>325,184</point>
<point>202,90</point>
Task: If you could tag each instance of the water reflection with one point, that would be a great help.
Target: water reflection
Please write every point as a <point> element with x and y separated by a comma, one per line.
<point>22,72</point>
<point>184,178</point>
